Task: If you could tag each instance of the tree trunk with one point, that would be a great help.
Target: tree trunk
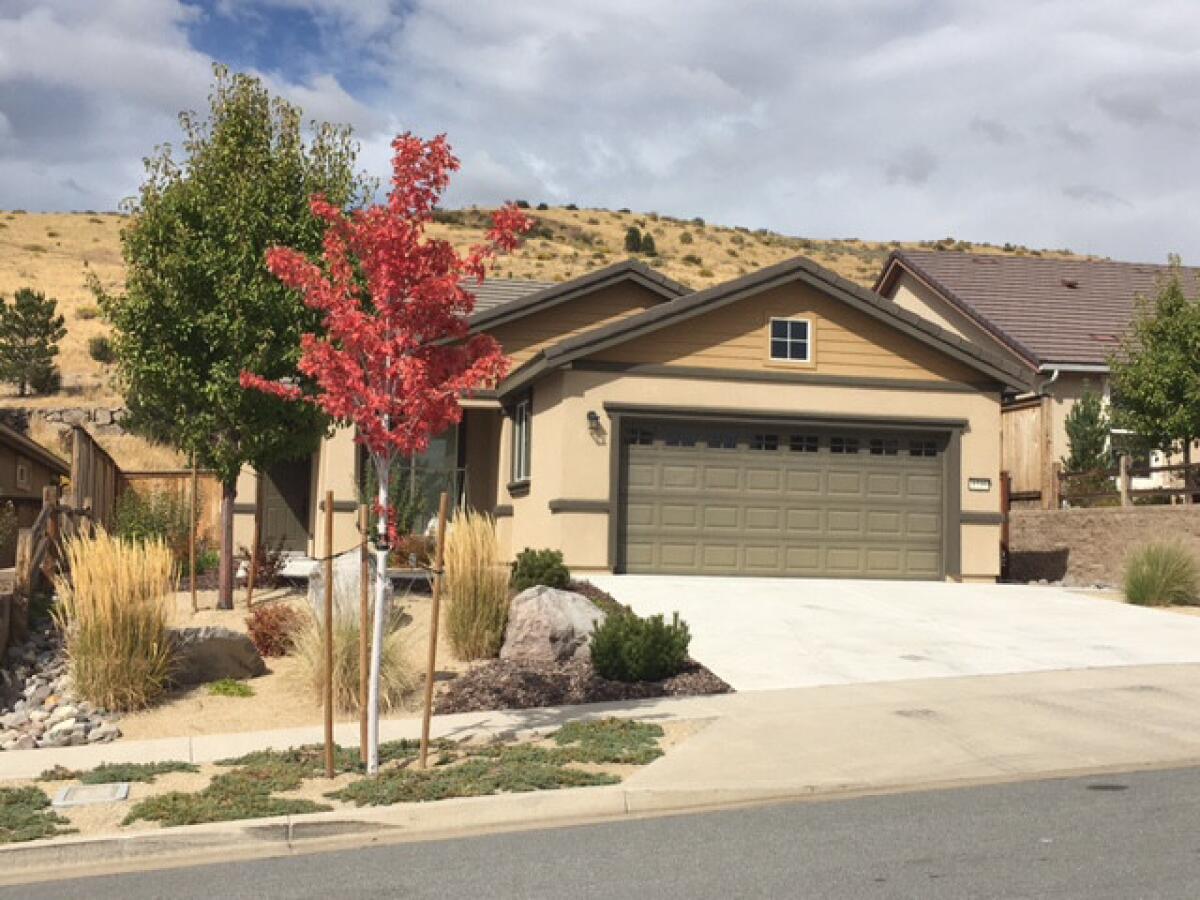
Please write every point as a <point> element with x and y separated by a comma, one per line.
<point>225,572</point>
<point>383,470</point>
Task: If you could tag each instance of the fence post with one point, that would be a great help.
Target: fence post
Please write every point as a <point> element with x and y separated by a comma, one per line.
<point>1055,486</point>
<point>1123,479</point>
<point>1005,505</point>
<point>53,532</point>
<point>23,580</point>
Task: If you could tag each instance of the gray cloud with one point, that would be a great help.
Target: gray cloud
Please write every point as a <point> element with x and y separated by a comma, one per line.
<point>912,166</point>
<point>994,131</point>
<point>1132,109</point>
<point>1097,196</point>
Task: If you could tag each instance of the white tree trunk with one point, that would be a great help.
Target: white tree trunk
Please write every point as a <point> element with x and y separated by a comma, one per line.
<point>383,473</point>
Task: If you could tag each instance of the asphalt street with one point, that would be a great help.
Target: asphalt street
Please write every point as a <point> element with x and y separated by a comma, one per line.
<point>1125,836</point>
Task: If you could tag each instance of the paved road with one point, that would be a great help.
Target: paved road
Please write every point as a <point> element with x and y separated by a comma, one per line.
<point>1129,836</point>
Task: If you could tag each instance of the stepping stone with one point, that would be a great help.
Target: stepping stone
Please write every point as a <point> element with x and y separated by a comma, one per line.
<point>90,794</point>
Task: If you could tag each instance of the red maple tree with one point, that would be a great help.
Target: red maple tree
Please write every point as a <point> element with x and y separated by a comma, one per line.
<point>395,352</point>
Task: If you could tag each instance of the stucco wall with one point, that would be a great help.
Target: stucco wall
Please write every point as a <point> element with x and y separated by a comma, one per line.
<point>1091,546</point>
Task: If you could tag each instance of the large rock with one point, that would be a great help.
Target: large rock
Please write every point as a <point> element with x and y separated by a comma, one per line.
<point>210,653</point>
<point>346,571</point>
<point>547,624</point>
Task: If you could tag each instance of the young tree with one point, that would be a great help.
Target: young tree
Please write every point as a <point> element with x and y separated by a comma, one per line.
<point>393,353</point>
<point>30,329</point>
<point>633,239</point>
<point>200,305</point>
<point>1155,377</point>
<point>1087,429</point>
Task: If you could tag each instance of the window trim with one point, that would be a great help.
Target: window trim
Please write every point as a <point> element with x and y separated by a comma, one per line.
<point>520,465</point>
<point>810,329</point>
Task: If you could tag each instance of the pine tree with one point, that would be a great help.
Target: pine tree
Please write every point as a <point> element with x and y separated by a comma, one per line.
<point>30,329</point>
<point>1087,428</point>
<point>648,246</point>
<point>633,239</point>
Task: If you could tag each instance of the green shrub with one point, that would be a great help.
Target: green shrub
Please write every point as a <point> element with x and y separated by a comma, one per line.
<point>534,567</point>
<point>155,515</point>
<point>25,815</point>
<point>1162,574</point>
<point>87,312</point>
<point>45,380</point>
<point>230,687</point>
<point>629,648</point>
<point>633,239</point>
<point>100,348</point>
<point>648,246</point>
<point>691,259</point>
<point>686,238</point>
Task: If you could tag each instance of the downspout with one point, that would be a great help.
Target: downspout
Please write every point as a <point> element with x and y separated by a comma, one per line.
<point>1041,388</point>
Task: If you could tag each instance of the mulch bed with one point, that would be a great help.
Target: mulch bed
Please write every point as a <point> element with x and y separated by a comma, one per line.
<point>505,684</point>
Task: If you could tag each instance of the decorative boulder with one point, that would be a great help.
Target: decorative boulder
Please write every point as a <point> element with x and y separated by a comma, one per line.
<point>210,653</point>
<point>549,625</point>
<point>346,571</point>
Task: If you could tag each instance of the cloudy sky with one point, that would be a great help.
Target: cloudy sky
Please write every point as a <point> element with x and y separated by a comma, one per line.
<point>1057,123</point>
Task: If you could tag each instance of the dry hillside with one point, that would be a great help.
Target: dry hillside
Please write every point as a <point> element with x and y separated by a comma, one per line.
<point>53,252</point>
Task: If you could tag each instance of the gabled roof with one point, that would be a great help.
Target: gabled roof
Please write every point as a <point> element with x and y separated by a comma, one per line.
<point>499,291</point>
<point>992,365</point>
<point>31,448</point>
<point>1068,311</point>
<point>552,295</point>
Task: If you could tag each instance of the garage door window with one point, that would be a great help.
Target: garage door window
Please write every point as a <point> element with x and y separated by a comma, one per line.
<point>639,437</point>
<point>721,441</point>
<point>922,448</point>
<point>764,442</point>
<point>884,447</point>
<point>803,443</point>
<point>843,445</point>
<point>791,340</point>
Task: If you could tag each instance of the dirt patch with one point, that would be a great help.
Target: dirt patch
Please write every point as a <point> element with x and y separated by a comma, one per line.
<point>503,684</point>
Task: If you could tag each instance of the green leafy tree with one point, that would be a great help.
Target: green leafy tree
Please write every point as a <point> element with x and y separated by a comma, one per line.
<point>1088,429</point>
<point>30,329</point>
<point>1155,376</point>
<point>633,239</point>
<point>200,306</point>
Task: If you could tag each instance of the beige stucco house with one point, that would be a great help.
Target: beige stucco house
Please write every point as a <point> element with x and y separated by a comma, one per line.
<point>785,423</point>
<point>1059,320</point>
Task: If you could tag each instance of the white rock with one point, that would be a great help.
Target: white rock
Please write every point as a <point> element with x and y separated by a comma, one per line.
<point>66,726</point>
<point>545,623</point>
<point>346,571</point>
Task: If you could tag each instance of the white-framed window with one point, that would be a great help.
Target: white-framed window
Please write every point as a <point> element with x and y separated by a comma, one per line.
<point>791,340</point>
<point>522,444</point>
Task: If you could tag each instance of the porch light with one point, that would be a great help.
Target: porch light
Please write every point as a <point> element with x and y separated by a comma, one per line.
<point>593,418</point>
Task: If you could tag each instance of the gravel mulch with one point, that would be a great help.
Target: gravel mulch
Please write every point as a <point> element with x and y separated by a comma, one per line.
<point>504,684</point>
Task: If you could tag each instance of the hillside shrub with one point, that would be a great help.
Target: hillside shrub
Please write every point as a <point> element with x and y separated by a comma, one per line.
<point>633,239</point>
<point>534,567</point>
<point>45,380</point>
<point>1162,574</point>
<point>273,628</point>
<point>476,587</point>
<point>629,648</point>
<point>154,516</point>
<point>87,312</point>
<point>691,259</point>
<point>112,608</point>
<point>100,348</point>
<point>686,238</point>
<point>648,246</point>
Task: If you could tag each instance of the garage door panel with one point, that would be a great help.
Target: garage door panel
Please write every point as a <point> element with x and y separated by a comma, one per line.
<point>774,501</point>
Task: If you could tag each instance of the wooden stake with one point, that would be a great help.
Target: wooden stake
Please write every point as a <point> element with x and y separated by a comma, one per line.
<point>431,670</point>
<point>256,540</point>
<point>364,636</point>
<point>192,541</point>
<point>329,634</point>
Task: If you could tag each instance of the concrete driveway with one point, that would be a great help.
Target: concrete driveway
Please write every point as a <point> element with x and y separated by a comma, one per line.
<point>766,633</point>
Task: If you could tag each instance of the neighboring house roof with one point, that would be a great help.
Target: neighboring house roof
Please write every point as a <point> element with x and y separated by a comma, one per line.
<point>992,365</point>
<point>546,296</point>
<point>28,447</point>
<point>499,291</point>
<point>1066,311</point>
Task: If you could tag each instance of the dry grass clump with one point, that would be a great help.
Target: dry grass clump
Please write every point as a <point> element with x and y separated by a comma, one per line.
<point>1162,574</point>
<point>476,587</point>
<point>112,608</point>
<point>396,677</point>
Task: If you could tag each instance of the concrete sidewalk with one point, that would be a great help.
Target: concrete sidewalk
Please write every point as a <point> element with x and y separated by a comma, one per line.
<point>756,746</point>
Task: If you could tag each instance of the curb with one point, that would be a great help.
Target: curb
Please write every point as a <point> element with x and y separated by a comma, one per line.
<point>76,857</point>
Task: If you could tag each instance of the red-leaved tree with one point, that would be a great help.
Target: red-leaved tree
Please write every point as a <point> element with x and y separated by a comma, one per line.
<point>394,353</point>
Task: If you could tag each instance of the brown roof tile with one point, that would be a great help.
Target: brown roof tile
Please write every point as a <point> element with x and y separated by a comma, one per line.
<point>1057,310</point>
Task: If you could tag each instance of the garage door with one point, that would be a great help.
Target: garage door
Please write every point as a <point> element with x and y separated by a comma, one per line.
<point>700,498</point>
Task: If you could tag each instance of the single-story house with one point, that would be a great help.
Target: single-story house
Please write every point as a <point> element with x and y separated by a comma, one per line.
<point>785,423</point>
<point>26,467</point>
<point>1059,319</point>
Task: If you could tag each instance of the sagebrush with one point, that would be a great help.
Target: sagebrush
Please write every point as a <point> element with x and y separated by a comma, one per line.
<point>475,587</point>
<point>1162,574</point>
<point>112,608</point>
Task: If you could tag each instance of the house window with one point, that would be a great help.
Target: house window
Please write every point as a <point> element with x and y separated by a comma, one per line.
<point>522,446</point>
<point>843,445</point>
<point>791,340</point>
<point>803,443</point>
<point>24,482</point>
<point>764,442</point>
<point>884,446</point>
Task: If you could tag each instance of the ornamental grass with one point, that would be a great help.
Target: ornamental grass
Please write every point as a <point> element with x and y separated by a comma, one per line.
<point>396,677</point>
<point>475,587</point>
<point>1162,574</point>
<point>112,610</point>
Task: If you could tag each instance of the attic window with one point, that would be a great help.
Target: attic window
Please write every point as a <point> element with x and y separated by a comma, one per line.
<point>1071,283</point>
<point>791,340</point>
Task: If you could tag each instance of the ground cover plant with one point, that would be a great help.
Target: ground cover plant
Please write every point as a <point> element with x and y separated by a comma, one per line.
<point>112,610</point>
<point>25,815</point>
<point>230,687</point>
<point>476,587</point>
<point>114,773</point>
<point>1162,574</point>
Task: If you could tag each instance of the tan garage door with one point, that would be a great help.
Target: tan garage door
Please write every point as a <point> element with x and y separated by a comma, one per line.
<point>699,498</point>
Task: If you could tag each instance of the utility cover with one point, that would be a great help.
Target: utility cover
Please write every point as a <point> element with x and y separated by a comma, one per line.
<point>88,794</point>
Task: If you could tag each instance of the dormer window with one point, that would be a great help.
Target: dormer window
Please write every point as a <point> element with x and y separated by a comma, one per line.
<point>791,340</point>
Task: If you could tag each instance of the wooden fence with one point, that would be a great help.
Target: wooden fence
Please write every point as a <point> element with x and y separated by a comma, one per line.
<point>1026,449</point>
<point>95,478</point>
<point>179,482</point>
<point>1114,487</point>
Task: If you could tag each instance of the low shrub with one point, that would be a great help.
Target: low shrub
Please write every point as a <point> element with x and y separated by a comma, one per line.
<point>534,567</point>
<point>100,348</point>
<point>649,248</point>
<point>413,550</point>
<point>268,564</point>
<point>230,687</point>
<point>273,628</point>
<point>87,312</point>
<point>114,773</point>
<point>154,516</point>
<point>475,587</point>
<point>207,559</point>
<point>112,609</point>
<point>628,648</point>
<point>691,259</point>
<point>25,815</point>
<point>1162,574</point>
<point>46,380</point>
<point>396,680</point>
